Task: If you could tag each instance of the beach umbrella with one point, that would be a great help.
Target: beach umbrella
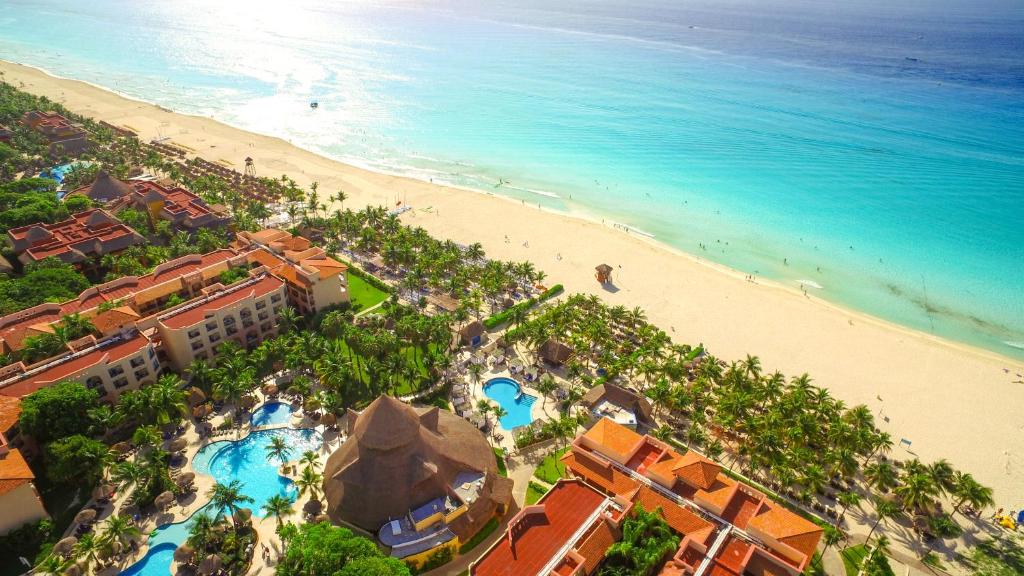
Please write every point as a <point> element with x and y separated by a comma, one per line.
<point>103,491</point>
<point>202,411</point>
<point>247,401</point>
<point>185,479</point>
<point>164,500</point>
<point>184,554</point>
<point>270,389</point>
<point>178,445</point>
<point>313,507</point>
<point>210,565</point>
<point>87,515</point>
<point>65,546</point>
<point>516,364</point>
<point>329,419</point>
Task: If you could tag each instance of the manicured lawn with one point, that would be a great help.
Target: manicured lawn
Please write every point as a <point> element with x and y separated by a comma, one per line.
<point>533,492</point>
<point>362,294</point>
<point>498,455</point>
<point>815,567</point>
<point>854,556</point>
<point>550,469</point>
<point>484,532</point>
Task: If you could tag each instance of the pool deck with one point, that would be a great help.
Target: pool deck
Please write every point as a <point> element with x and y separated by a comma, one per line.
<point>184,507</point>
<point>542,409</point>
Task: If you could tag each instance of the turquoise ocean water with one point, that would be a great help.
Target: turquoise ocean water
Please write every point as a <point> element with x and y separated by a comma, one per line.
<point>872,151</point>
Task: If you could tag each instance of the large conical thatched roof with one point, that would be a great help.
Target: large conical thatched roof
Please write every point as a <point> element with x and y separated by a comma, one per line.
<point>105,188</point>
<point>399,458</point>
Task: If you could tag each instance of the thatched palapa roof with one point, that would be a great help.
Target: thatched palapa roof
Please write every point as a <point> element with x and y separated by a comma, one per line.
<point>554,351</point>
<point>105,188</point>
<point>619,396</point>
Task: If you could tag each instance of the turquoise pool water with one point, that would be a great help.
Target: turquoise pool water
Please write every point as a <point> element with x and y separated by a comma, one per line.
<point>271,413</point>
<point>507,394</point>
<point>243,460</point>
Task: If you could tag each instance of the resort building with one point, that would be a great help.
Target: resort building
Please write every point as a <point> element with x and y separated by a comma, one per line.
<point>19,499</point>
<point>105,189</point>
<point>422,479</point>
<point>620,404</point>
<point>79,239</point>
<point>566,533</point>
<point>727,527</point>
<point>65,138</point>
<point>472,334</point>
<point>183,209</point>
<point>168,318</point>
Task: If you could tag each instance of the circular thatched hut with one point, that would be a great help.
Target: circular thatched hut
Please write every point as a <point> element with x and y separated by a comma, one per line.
<point>399,458</point>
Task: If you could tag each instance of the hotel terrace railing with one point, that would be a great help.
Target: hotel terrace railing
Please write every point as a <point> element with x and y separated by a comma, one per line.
<point>584,526</point>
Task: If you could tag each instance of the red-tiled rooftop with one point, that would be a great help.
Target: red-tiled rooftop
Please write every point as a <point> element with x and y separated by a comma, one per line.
<point>740,509</point>
<point>14,471</point>
<point>680,519</point>
<point>92,231</point>
<point>533,542</point>
<point>605,477</point>
<point>196,314</point>
<point>65,370</point>
<point>733,555</point>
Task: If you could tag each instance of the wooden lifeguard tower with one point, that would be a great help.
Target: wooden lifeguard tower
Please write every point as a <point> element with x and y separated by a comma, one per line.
<point>604,274</point>
<point>250,167</point>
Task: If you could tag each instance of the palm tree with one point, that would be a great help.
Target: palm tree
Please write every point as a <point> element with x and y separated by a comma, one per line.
<point>483,407</point>
<point>832,536</point>
<point>884,510</point>
<point>917,491</point>
<point>499,413</point>
<point>881,476</point>
<point>278,506</point>
<point>475,373</point>
<point>227,497</point>
<point>200,531</point>
<point>848,499</point>
<point>166,399</point>
<point>309,482</point>
<point>146,437</point>
<point>278,449</point>
<point>310,459</point>
<point>967,490</point>
<point>87,549</point>
<point>546,386</point>
<point>119,530</point>
<point>942,475</point>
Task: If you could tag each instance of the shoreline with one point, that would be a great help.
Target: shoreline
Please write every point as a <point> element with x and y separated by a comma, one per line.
<point>693,299</point>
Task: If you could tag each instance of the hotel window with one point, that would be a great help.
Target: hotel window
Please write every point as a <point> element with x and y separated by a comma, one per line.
<point>193,333</point>
<point>277,310</point>
<point>229,320</point>
<point>231,330</point>
<point>250,337</point>
<point>275,298</point>
<point>197,345</point>
<point>120,383</point>
<point>140,374</point>
<point>266,326</point>
<point>211,325</point>
<point>245,313</point>
<point>261,305</point>
<point>263,315</point>
<point>202,356</point>
<point>156,366</point>
<point>214,337</point>
<point>94,382</point>
<point>247,322</point>
<point>137,361</point>
<point>115,371</point>
<point>152,352</point>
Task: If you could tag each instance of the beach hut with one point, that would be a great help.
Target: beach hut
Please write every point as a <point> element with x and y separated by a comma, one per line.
<point>185,480</point>
<point>554,352</point>
<point>104,189</point>
<point>472,334</point>
<point>604,273</point>
<point>178,445</point>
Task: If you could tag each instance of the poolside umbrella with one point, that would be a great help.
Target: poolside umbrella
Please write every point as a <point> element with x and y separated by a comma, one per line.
<point>196,396</point>
<point>87,515</point>
<point>270,389</point>
<point>164,500</point>
<point>202,411</point>
<point>478,358</point>
<point>178,445</point>
<point>121,447</point>
<point>103,491</point>
<point>241,516</point>
<point>210,565</point>
<point>185,479</point>
<point>247,401</point>
<point>313,507</point>
<point>329,419</point>
<point>184,554</point>
<point>516,364</point>
<point>65,546</point>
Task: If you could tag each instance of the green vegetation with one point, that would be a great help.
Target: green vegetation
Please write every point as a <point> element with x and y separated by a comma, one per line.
<point>24,542</point>
<point>57,411</point>
<point>646,541</point>
<point>519,309</point>
<point>533,492</point>
<point>76,459</point>
<point>46,281</point>
<point>499,456</point>
<point>326,549</point>
<point>1002,556</point>
<point>815,567</point>
<point>230,540</point>
<point>233,274</point>
<point>30,201</point>
<point>436,559</point>
<point>551,469</point>
<point>362,293</point>
<point>480,536</point>
<point>853,558</point>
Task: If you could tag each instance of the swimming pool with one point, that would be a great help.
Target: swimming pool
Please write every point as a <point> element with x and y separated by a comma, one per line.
<point>271,413</point>
<point>243,460</point>
<point>517,404</point>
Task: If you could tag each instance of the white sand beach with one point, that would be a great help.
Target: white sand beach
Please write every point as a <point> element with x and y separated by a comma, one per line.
<point>949,400</point>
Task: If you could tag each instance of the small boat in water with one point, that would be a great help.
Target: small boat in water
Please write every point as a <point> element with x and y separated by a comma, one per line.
<point>314,104</point>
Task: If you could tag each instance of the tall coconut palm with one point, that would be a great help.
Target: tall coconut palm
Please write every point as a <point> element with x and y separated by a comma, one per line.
<point>278,506</point>
<point>310,459</point>
<point>309,482</point>
<point>884,510</point>
<point>967,490</point>
<point>881,476</point>
<point>917,491</point>
<point>278,449</point>
<point>118,531</point>
<point>227,498</point>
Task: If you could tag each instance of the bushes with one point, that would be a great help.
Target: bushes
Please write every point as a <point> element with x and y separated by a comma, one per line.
<point>25,541</point>
<point>504,316</point>
<point>371,279</point>
<point>480,536</point>
<point>534,492</point>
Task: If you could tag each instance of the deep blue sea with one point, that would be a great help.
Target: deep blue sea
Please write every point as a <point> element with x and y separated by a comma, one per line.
<point>871,150</point>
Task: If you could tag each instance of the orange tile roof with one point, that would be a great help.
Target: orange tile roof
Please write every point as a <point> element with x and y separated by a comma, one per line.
<point>111,320</point>
<point>594,544</point>
<point>606,478</point>
<point>678,518</point>
<point>616,438</point>
<point>536,538</point>
<point>14,471</point>
<point>720,493</point>
<point>787,527</point>
<point>696,470</point>
<point>10,409</point>
<point>197,314</point>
